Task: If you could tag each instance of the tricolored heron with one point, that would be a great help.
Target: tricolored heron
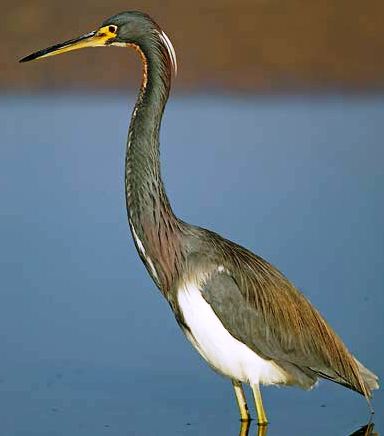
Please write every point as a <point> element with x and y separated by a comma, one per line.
<point>241,314</point>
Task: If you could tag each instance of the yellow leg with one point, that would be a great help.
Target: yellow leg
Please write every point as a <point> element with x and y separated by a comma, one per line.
<point>261,416</point>
<point>241,401</point>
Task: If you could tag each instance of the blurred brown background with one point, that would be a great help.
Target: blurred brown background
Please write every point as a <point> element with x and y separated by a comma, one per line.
<point>260,45</point>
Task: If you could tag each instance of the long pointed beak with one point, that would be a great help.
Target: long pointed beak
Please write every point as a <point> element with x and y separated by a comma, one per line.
<point>92,39</point>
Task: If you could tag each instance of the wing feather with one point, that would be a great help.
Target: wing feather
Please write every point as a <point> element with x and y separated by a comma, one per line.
<point>260,307</point>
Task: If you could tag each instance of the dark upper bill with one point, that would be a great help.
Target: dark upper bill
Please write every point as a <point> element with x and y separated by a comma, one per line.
<point>96,38</point>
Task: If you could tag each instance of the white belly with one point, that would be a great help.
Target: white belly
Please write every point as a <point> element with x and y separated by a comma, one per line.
<point>218,347</point>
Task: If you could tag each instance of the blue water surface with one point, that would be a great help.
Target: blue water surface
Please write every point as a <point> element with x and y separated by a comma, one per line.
<point>88,345</point>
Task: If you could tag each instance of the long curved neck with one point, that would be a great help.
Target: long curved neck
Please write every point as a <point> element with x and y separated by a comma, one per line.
<point>155,228</point>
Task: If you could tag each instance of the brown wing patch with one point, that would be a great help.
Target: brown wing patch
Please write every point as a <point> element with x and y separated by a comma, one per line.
<point>300,334</point>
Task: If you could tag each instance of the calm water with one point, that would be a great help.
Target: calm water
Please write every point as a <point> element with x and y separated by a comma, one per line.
<point>88,346</point>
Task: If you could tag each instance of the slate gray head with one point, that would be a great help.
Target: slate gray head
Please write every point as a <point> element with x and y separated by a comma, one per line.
<point>131,28</point>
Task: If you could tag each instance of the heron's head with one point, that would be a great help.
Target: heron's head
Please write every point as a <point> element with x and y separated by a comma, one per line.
<point>130,28</point>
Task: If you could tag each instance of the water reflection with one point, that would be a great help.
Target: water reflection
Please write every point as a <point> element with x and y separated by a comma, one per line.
<point>244,428</point>
<point>262,430</point>
<point>366,430</point>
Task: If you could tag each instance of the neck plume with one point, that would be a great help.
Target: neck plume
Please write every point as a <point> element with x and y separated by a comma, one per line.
<point>155,228</point>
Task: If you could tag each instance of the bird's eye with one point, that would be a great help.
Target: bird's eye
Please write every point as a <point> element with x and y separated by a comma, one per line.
<point>112,29</point>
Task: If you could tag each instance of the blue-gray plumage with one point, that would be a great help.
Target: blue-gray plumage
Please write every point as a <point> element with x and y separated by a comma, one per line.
<point>240,313</point>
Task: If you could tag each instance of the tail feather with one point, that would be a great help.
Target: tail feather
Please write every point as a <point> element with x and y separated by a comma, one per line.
<point>361,380</point>
<point>371,380</point>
